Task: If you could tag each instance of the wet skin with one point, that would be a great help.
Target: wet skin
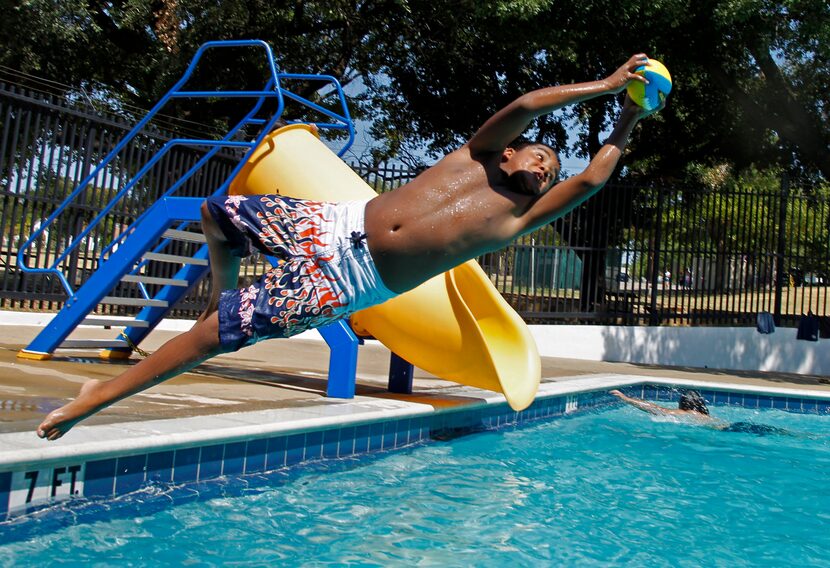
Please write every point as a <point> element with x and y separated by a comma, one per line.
<point>476,199</point>
<point>448,214</point>
<point>461,207</point>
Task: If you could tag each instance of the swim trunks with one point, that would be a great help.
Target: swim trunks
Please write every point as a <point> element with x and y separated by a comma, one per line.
<point>325,271</point>
<point>752,428</point>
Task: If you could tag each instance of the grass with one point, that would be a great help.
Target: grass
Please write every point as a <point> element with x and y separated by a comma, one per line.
<point>673,302</point>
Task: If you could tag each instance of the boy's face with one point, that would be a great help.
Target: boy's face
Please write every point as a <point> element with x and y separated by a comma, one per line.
<point>532,169</point>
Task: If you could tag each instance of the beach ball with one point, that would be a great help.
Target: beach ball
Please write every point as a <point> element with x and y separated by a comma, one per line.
<point>659,85</point>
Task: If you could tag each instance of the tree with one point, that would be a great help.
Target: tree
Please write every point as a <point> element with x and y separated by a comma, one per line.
<point>752,76</point>
<point>128,53</point>
<point>750,88</point>
<point>759,74</point>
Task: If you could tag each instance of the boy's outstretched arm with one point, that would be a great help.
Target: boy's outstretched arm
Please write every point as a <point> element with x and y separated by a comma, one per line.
<point>508,123</point>
<point>566,195</point>
<point>643,405</point>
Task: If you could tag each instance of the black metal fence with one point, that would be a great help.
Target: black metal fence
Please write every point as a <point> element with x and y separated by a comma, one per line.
<point>677,256</point>
<point>48,144</point>
<point>637,255</point>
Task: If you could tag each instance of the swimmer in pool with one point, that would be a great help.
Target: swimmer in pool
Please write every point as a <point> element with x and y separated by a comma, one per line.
<point>338,258</point>
<point>692,407</point>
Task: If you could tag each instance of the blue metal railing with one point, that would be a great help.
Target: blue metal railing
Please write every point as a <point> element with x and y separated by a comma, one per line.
<point>274,89</point>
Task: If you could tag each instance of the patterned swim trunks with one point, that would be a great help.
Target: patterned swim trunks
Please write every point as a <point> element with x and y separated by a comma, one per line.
<point>325,271</point>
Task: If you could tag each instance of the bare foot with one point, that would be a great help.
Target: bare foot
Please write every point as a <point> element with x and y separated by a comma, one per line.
<point>58,422</point>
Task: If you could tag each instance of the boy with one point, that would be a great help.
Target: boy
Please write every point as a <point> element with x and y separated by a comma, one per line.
<point>340,258</point>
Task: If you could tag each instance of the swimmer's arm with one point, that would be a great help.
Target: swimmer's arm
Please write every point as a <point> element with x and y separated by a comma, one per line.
<point>508,123</point>
<point>641,404</point>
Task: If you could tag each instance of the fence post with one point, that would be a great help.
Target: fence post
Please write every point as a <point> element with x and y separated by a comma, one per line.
<point>656,272</point>
<point>780,281</point>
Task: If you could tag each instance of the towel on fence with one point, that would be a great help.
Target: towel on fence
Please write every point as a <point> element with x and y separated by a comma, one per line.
<point>824,327</point>
<point>808,327</point>
<point>765,323</point>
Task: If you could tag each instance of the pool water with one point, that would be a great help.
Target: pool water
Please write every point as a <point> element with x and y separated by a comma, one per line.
<point>618,486</point>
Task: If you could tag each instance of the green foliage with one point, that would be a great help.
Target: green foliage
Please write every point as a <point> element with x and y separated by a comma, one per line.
<point>730,214</point>
<point>733,217</point>
<point>752,77</point>
<point>130,52</point>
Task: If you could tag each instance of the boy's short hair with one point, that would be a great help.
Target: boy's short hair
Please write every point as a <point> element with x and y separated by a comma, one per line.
<point>692,400</point>
<point>522,142</point>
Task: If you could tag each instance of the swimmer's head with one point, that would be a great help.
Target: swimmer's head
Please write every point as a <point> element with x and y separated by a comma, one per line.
<point>691,400</point>
<point>531,167</point>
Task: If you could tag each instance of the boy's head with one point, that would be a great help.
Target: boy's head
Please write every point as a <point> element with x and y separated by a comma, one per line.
<point>531,167</point>
<point>691,400</point>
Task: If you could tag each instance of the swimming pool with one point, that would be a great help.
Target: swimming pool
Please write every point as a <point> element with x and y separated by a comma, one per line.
<point>608,485</point>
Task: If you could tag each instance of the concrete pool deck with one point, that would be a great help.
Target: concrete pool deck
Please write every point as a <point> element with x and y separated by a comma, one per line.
<point>277,375</point>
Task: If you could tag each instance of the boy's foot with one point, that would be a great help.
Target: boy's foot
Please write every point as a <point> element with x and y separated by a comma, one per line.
<point>58,422</point>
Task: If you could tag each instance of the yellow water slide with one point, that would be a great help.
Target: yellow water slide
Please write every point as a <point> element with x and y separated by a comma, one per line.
<point>455,325</point>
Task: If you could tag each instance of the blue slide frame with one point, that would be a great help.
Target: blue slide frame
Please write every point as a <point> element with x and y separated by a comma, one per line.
<point>123,255</point>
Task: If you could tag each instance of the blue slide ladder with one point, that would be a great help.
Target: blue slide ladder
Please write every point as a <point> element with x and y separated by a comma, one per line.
<point>150,236</point>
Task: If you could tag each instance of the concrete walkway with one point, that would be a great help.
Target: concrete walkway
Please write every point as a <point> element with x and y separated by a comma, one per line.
<point>269,375</point>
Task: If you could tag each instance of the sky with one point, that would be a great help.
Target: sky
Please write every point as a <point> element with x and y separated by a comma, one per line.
<point>364,141</point>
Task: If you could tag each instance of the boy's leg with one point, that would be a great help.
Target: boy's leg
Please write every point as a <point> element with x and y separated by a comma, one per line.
<point>224,266</point>
<point>181,353</point>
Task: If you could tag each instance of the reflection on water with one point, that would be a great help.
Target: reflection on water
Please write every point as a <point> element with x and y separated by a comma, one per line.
<point>593,489</point>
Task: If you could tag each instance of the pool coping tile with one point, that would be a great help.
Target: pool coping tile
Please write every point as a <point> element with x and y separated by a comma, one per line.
<point>19,449</point>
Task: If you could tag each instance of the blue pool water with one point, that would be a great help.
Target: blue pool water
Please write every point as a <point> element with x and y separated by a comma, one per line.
<point>617,486</point>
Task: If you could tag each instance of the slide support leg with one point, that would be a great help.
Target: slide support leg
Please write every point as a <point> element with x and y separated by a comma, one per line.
<point>342,360</point>
<point>400,375</point>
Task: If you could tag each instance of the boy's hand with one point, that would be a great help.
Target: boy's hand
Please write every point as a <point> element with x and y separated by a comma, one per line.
<point>618,81</point>
<point>631,107</point>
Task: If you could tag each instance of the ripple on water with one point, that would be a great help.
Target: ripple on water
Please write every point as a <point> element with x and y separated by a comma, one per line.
<point>610,487</point>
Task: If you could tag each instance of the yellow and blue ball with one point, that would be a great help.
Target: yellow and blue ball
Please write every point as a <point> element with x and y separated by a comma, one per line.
<point>659,85</point>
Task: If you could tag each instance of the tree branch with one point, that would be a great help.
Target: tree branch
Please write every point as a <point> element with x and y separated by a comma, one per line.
<point>777,109</point>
